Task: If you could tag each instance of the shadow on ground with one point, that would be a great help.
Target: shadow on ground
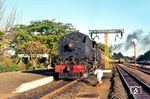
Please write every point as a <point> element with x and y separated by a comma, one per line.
<point>48,72</point>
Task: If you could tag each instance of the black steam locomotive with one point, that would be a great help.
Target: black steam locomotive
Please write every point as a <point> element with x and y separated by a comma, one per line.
<point>78,54</point>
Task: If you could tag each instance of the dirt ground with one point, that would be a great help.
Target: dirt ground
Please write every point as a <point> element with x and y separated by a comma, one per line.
<point>102,91</point>
<point>11,80</point>
<point>105,87</point>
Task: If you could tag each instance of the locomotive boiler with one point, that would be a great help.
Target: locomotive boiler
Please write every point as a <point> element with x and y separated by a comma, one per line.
<point>78,56</point>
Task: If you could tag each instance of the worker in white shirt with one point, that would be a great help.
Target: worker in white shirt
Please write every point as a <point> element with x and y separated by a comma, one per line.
<point>99,73</point>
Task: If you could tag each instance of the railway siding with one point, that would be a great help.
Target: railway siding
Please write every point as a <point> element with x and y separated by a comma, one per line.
<point>137,73</point>
<point>144,70</point>
<point>138,89</point>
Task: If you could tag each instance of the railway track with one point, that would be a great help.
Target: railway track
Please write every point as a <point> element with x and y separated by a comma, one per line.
<point>140,69</point>
<point>137,89</point>
<point>59,90</point>
<point>45,92</point>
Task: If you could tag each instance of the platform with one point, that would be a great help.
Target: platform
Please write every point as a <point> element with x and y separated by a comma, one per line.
<point>11,80</point>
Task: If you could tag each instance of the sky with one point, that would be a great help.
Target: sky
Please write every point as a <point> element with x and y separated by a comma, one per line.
<point>86,15</point>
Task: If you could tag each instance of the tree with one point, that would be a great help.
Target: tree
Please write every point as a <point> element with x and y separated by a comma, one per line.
<point>32,49</point>
<point>118,55</point>
<point>1,39</point>
<point>50,27</point>
<point>6,23</point>
<point>141,58</point>
<point>52,42</point>
<point>145,57</point>
<point>102,46</point>
<point>47,32</point>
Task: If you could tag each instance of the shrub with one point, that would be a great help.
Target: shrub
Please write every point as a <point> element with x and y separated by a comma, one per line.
<point>7,65</point>
<point>12,67</point>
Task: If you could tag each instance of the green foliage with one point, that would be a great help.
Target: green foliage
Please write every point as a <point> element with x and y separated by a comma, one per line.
<point>7,65</point>
<point>45,33</point>
<point>50,27</point>
<point>32,47</point>
<point>52,42</point>
<point>1,39</point>
<point>2,34</point>
<point>117,55</point>
<point>141,58</point>
<point>29,67</point>
<point>102,46</point>
<point>16,59</point>
<point>12,67</point>
<point>23,37</point>
<point>45,27</point>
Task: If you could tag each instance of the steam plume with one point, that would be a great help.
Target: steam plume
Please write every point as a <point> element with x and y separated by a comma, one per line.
<point>135,35</point>
<point>143,41</point>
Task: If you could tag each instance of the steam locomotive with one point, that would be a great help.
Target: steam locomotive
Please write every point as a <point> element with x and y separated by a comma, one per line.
<point>78,56</point>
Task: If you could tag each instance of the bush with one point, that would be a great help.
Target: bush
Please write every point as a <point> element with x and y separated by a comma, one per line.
<point>29,67</point>
<point>12,67</point>
<point>7,65</point>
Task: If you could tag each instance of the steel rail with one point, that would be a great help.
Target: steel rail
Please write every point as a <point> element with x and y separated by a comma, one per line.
<point>140,69</point>
<point>58,90</point>
<point>132,81</point>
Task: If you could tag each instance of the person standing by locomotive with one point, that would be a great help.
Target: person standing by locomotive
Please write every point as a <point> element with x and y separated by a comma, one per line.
<point>99,74</point>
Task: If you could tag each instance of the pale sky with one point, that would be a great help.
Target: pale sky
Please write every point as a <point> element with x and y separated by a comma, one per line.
<point>86,15</point>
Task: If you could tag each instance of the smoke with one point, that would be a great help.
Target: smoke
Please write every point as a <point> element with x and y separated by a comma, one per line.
<point>146,39</point>
<point>143,41</point>
<point>116,46</point>
<point>135,35</point>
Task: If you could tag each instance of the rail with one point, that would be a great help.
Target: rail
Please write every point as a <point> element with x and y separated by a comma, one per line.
<point>137,88</point>
<point>140,69</point>
<point>59,90</point>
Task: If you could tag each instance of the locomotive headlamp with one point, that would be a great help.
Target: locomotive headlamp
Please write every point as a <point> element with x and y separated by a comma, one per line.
<point>70,46</point>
